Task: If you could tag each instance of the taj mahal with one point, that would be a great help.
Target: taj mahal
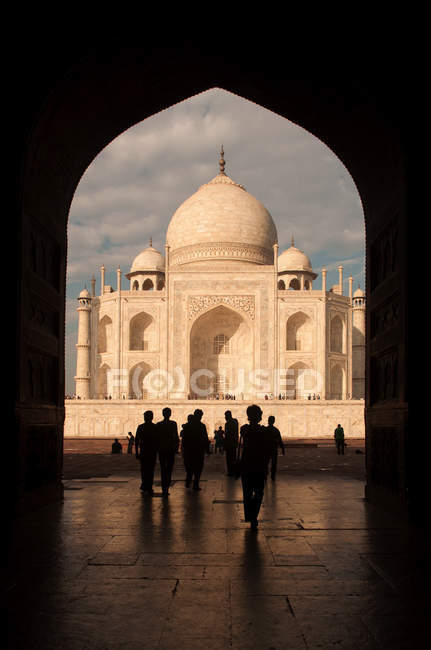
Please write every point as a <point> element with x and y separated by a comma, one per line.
<point>219,320</point>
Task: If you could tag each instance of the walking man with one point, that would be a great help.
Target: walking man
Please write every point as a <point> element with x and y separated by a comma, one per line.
<point>339,439</point>
<point>253,464</point>
<point>195,443</point>
<point>146,447</point>
<point>169,442</point>
<point>230,441</point>
<point>275,441</point>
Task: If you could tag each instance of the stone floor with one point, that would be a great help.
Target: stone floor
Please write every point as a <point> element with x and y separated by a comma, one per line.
<point>112,568</point>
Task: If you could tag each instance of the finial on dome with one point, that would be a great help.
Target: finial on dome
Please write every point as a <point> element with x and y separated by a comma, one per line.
<point>151,242</point>
<point>222,161</point>
<point>293,241</point>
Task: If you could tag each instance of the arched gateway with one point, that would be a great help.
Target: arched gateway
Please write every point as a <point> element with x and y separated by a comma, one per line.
<point>359,119</point>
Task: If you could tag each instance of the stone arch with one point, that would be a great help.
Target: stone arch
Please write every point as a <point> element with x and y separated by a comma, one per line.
<point>46,181</point>
<point>294,284</point>
<point>105,334</point>
<point>337,334</point>
<point>300,380</point>
<point>142,332</point>
<point>223,365</point>
<point>135,286</point>
<point>103,388</point>
<point>136,379</point>
<point>281,285</point>
<point>299,332</point>
<point>148,285</point>
<point>337,382</point>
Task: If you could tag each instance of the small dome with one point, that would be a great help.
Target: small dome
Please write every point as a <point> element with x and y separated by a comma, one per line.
<point>84,294</point>
<point>358,293</point>
<point>149,259</point>
<point>293,259</point>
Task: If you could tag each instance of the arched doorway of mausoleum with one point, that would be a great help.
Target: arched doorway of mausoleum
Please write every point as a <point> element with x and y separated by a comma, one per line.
<point>221,354</point>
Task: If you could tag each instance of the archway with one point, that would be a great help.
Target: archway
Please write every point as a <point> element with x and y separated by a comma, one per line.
<point>104,335</point>
<point>221,349</point>
<point>299,332</point>
<point>146,81</point>
<point>102,387</point>
<point>137,386</point>
<point>142,332</point>
<point>336,382</point>
<point>337,334</point>
<point>300,381</point>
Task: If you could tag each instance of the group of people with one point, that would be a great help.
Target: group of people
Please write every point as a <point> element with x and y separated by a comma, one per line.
<point>250,452</point>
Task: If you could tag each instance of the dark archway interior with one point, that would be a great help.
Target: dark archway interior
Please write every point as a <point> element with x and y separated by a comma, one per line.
<point>72,102</point>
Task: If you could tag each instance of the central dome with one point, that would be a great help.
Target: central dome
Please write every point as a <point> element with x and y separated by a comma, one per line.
<point>221,222</point>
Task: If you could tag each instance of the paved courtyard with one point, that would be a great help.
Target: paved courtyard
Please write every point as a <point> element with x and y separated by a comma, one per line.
<point>113,568</point>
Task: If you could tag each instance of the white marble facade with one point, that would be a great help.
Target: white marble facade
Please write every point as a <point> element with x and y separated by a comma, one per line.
<point>220,313</point>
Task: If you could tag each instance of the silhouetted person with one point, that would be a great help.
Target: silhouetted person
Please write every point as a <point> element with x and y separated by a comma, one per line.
<point>116,447</point>
<point>169,442</point>
<point>230,442</point>
<point>195,444</point>
<point>276,441</point>
<point>339,439</point>
<point>219,440</point>
<point>183,426</point>
<point>130,442</point>
<point>253,463</point>
<point>146,448</point>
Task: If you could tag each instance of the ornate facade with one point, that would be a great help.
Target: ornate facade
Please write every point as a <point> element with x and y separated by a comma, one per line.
<point>221,313</point>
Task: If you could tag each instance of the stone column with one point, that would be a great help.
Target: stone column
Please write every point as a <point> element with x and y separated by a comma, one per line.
<point>102,280</point>
<point>118,377</point>
<point>340,280</point>
<point>167,314</point>
<point>276,362</point>
<point>324,337</point>
<point>358,348</point>
<point>83,347</point>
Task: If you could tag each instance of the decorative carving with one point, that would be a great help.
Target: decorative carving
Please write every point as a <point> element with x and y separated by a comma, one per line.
<point>198,304</point>
<point>43,317</point>
<point>384,376</point>
<point>384,317</point>
<point>44,256</point>
<point>384,258</point>
<point>222,250</point>
<point>43,378</point>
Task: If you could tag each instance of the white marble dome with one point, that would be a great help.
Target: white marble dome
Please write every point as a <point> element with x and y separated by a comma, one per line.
<point>221,222</point>
<point>293,259</point>
<point>149,259</point>
<point>85,293</point>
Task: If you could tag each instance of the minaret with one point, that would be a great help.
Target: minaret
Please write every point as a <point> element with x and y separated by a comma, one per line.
<point>83,347</point>
<point>358,344</point>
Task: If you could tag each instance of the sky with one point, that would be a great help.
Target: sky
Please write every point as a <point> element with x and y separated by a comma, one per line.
<point>130,191</point>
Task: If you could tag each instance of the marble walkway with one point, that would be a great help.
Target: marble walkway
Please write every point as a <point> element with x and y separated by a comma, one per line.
<point>112,568</point>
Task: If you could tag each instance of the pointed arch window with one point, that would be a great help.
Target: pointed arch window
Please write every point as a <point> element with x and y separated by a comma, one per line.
<point>221,344</point>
